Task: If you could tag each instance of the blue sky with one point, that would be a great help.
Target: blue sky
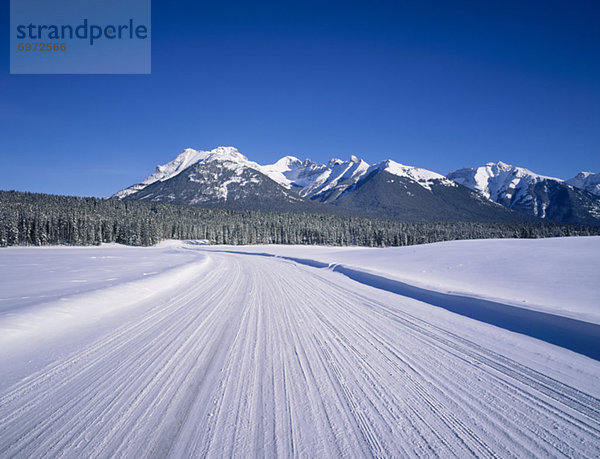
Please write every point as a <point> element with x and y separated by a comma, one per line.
<point>440,85</point>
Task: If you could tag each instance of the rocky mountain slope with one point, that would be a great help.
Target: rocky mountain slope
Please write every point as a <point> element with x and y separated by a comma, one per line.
<point>225,178</point>
<point>522,190</point>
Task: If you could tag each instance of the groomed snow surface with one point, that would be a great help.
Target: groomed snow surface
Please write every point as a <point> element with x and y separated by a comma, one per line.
<point>187,350</point>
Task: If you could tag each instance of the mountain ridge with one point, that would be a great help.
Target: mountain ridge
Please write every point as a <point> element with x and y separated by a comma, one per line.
<point>224,177</point>
<point>586,180</point>
<point>520,189</point>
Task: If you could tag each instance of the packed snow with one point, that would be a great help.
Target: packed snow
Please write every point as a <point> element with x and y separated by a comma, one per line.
<point>189,350</point>
<point>556,275</point>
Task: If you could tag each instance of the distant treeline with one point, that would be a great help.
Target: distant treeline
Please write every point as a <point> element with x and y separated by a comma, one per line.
<point>41,219</point>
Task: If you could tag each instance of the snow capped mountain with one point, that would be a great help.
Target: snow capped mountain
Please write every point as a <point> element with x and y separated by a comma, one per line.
<point>498,181</point>
<point>587,181</point>
<point>290,172</point>
<point>423,177</point>
<point>184,160</point>
<point>224,177</point>
<point>327,182</point>
<point>322,182</point>
<point>318,182</point>
<point>414,194</point>
<point>523,190</point>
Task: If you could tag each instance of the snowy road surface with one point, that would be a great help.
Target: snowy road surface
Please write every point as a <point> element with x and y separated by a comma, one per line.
<point>250,356</point>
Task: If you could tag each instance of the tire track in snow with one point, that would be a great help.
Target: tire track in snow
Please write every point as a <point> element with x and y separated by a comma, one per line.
<point>260,357</point>
<point>583,403</point>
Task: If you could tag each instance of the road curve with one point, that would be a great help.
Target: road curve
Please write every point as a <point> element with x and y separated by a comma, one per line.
<point>264,357</point>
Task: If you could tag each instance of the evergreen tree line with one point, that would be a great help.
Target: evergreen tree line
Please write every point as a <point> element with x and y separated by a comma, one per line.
<point>41,219</point>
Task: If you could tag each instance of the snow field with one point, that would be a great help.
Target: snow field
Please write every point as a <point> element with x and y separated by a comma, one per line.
<point>554,275</point>
<point>251,356</point>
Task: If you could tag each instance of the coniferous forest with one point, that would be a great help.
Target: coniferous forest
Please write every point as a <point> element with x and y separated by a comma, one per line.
<point>41,219</point>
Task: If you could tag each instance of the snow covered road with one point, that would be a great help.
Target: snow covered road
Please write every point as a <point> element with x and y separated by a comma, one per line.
<point>257,356</point>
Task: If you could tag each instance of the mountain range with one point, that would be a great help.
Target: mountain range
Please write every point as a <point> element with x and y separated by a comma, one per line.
<point>225,178</point>
<point>548,198</point>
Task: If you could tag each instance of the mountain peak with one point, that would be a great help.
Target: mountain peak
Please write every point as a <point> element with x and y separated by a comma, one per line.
<point>182,161</point>
<point>585,174</point>
<point>518,171</point>
<point>502,165</point>
<point>520,189</point>
<point>423,177</point>
<point>226,153</point>
<point>283,165</point>
<point>588,181</point>
<point>288,160</point>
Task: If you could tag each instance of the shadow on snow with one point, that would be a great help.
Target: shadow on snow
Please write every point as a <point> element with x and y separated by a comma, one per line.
<point>575,335</point>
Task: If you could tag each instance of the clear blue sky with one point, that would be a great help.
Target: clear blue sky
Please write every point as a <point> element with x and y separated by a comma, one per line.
<point>440,85</point>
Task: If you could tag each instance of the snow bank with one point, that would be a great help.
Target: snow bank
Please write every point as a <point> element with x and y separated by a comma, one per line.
<point>49,292</point>
<point>557,275</point>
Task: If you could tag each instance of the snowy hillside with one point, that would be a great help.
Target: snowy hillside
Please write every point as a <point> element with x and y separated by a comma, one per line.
<point>187,350</point>
<point>587,181</point>
<point>322,181</point>
<point>423,177</point>
<point>337,176</point>
<point>522,190</point>
<point>187,158</point>
<point>499,181</point>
